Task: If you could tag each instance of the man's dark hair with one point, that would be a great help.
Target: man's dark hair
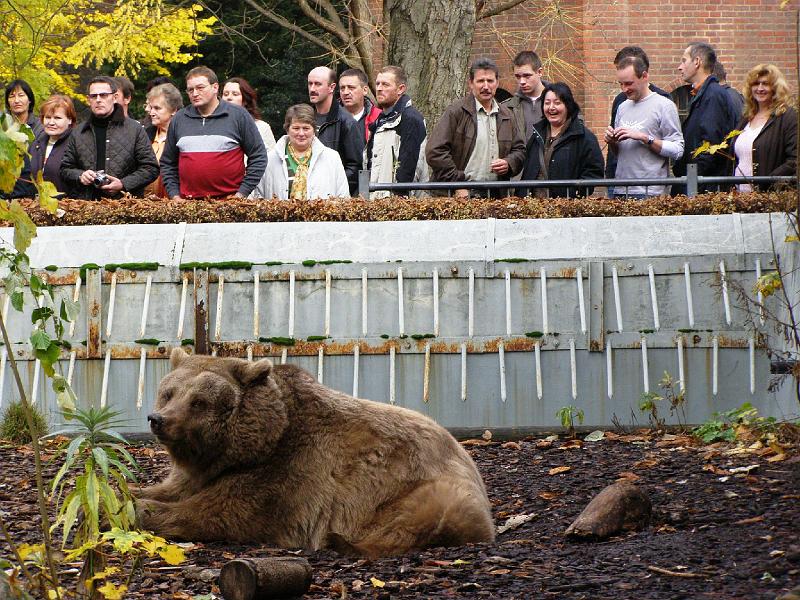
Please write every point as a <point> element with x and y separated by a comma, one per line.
<point>125,86</point>
<point>563,93</point>
<point>719,72</point>
<point>160,80</point>
<point>528,57</point>
<point>639,66</point>
<point>483,64</point>
<point>633,51</point>
<point>203,71</point>
<point>104,79</point>
<point>706,54</point>
<point>23,85</point>
<point>399,74</point>
<point>362,77</point>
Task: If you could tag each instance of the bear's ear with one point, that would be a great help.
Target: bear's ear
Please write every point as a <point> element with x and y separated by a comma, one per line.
<point>176,357</point>
<point>254,373</point>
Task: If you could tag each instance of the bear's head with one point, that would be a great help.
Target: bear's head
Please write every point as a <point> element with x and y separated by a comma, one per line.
<point>213,413</point>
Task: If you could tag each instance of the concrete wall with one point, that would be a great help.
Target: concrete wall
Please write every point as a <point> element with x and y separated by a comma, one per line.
<point>488,323</point>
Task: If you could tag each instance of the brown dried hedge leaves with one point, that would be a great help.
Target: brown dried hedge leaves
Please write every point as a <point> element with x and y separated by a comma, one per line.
<point>397,208</point>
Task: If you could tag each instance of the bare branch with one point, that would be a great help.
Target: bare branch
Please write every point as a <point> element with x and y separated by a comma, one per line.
<point>276,18</point>
<point>485,13</point>
<point>333,27</point>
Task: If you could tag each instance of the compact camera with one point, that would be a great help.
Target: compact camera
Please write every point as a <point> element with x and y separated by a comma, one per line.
<point>100,179</point>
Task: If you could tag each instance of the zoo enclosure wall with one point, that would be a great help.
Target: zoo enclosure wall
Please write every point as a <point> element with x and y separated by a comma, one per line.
<point>480,324</point>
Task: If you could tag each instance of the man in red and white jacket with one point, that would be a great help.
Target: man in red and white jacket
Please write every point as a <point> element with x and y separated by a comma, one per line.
<point>207,143</point>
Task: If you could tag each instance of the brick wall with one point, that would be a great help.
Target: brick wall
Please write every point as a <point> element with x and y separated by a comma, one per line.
<point>577,39</point>
<point>744,33</point>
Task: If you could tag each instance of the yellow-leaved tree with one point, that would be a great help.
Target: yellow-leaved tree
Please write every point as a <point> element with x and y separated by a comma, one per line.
<point>45,41</point>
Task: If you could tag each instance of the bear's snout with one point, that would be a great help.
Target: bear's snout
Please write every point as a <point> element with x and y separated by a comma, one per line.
<point>156,422</point>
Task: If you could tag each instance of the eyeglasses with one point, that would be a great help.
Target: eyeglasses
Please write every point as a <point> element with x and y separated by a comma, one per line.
<point>101,95</point>
<point>198,88</point>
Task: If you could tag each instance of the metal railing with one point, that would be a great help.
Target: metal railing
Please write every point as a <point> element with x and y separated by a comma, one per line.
<point>691,181</point>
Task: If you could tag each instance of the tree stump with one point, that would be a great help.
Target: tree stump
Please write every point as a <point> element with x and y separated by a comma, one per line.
<point>618,507</point>
<point>265,578</point>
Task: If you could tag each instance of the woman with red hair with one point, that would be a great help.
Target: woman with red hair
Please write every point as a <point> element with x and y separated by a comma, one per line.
<point>58,119</point>
<point>237,91</point>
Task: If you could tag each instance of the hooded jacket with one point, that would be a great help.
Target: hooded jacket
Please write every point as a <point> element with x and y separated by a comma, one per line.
<point>394,145</point>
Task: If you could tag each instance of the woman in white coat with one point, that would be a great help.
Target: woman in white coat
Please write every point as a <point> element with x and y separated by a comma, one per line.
<point>300,167</point>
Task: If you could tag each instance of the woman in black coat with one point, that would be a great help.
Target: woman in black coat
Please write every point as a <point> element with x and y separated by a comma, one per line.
<point>767,144</point>
<point>47,150</point>
<point>561,147</point>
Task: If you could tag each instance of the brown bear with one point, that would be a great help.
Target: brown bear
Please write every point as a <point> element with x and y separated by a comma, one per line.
<point>268,454</point>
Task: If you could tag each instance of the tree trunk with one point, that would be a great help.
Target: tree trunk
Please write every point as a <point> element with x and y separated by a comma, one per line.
<point>432,41</point>
<point>265,578</point>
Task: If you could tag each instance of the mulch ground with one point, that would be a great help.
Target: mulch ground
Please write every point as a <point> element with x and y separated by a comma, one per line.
<point>726,526</point>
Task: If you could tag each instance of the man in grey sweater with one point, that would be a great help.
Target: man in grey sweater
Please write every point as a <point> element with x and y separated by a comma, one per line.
<point>646,133</point>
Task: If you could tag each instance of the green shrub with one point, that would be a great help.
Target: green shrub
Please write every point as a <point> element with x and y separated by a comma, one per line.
<point>15,428</point>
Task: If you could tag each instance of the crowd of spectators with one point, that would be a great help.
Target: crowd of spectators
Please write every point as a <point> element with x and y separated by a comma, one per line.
<point>218,145</point>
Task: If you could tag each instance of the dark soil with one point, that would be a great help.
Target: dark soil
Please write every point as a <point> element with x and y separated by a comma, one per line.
<point>717,532</point>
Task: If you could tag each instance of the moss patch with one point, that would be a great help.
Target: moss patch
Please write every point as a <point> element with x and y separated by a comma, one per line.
<point>280,341</point>
<point>132,266</point>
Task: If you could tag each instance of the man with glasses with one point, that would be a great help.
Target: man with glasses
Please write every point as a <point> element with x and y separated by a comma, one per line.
<point>109,154</point>
<point>207,142</point>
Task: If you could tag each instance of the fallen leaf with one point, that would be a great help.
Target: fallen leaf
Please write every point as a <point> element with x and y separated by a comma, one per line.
<point>715,469</point>
<point>357,585</point>
<point>750,521</point>
<point>777,458</point>
<point>746,469</point>
<point>514,522</point>
<point>646,463</point>
<point>628,476</point>
<point>512,446</point>
<point>474,442</point>
<point>500,572</point>
<point>569,444</point>
<point>459,561</point>
<point>376,582</point>
<point>543,444</point>
<point>595,436</point>
<point>487,435</point>
<point>557,470</point>
<point>548,495</point>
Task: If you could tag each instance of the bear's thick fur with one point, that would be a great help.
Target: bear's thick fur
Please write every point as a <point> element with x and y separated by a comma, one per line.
<point>267,454</point>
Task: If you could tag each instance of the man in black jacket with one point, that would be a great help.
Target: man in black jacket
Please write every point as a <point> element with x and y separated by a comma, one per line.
<point>711,116</point>
<point>336,128</point>
<point>109,154</point>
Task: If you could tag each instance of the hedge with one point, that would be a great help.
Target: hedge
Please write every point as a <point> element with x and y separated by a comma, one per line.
<point>396,208</point>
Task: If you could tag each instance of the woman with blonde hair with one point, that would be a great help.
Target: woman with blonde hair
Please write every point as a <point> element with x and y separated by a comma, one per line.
<point>163,101</point>
<point>768,142</point>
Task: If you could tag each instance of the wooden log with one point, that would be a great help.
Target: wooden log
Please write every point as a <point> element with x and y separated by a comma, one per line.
<point>620,506</point>
<point>265,578</point>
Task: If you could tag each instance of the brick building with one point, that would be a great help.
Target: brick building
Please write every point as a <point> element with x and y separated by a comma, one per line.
<point>578,39</point>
